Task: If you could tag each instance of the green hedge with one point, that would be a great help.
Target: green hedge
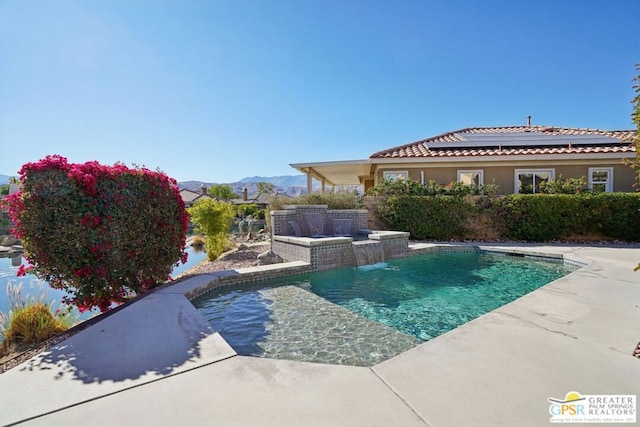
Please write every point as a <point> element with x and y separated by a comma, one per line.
<point>426,217</point>
<point>528,217</point>
<point>540,217</point>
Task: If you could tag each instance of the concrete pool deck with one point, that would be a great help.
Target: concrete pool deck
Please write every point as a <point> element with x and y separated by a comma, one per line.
<point>158,362</point>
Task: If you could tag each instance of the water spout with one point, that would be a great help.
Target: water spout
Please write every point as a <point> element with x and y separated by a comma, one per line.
<point>368,252</point>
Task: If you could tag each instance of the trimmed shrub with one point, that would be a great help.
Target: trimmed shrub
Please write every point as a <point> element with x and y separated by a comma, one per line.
<point>425,217</point>
<point>526,217</point>
<point>615,215</point>
<point>394,187</point>
<point>539,217</point>
<point>542,217</point>
<point>102,233</point>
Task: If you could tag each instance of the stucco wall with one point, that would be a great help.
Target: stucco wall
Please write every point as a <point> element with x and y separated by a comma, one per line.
<point>504,176</point>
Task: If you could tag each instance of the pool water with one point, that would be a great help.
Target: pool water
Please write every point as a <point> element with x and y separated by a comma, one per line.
<point>361,316</point>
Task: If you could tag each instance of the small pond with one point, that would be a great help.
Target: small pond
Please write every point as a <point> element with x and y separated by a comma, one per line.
<point>33,286</point>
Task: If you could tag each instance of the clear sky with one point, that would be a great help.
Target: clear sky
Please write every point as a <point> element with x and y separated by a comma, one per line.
<point>219,90</point>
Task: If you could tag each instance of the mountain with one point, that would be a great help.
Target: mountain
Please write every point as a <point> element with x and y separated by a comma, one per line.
<point>4,179</point>
<point>279,181</point>
<point>291,185</point>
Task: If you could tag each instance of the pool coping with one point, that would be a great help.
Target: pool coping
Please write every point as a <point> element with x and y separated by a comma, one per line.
<point>583,318</point>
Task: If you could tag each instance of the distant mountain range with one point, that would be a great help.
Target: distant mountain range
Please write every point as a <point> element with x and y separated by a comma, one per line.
<point>291,185</point>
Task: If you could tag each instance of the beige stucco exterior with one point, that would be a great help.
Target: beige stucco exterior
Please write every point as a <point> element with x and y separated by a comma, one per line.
<point>504,175</point>
<point>498,152</point>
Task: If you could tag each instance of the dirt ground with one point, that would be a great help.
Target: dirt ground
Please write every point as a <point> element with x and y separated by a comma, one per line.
<point>244,255</point>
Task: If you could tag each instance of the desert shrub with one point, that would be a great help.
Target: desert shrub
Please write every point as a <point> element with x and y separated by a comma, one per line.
<point>213,218</point>
<point>338,200</point>
<point>198,241</point>
<point>425,217</point>
<point>278,202</point>
<point>26,322</point>
<point>99,232</point>
<point>33,324</point>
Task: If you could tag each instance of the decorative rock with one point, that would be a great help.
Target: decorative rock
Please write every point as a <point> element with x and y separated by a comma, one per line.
<point>269,257</point>
<point>8,240</point>
<point>242,247</point>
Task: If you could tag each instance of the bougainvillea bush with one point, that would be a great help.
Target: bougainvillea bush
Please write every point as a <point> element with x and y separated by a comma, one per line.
<point>102,233</point>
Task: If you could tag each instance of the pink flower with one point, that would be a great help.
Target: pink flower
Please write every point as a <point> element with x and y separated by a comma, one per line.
<point>22,271</point>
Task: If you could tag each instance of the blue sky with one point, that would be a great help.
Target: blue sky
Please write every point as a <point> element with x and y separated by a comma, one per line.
<point>220,90</point>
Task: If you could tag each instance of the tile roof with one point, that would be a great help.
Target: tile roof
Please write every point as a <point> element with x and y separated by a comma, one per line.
<point>189,196</point>
<point>513,140</point>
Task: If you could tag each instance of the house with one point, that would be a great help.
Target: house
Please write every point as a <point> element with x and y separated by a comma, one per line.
<point>189,197</point>
<point>516,158</point>
<point>260,199</point>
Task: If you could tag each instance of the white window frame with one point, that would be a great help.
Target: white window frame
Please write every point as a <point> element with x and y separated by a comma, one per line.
<point>516,182</point>
<point>480,173</point>
<point>394,175</point>
<point>608,184</point>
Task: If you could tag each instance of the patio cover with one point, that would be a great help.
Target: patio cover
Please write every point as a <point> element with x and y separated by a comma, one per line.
<point>345,172</point>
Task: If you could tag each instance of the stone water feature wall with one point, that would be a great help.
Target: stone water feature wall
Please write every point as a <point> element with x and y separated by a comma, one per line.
<point>325,238</point>
<point>318,220</point>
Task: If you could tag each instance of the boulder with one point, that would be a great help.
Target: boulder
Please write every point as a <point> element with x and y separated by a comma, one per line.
<point>269,257</point>
<point>8,240</point>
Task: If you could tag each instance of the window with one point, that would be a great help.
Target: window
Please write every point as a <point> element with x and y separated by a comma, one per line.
<point>601,179</point>
<point>396,175</point>
<point>471,177</point>
<point>527,181</point>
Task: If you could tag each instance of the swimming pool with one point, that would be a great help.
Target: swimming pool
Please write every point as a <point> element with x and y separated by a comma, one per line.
<point>361,316</point>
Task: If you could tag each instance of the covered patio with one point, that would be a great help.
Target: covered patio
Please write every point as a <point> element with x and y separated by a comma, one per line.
<point>345,172</point>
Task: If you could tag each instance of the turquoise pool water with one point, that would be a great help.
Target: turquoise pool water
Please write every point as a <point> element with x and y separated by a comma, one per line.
<point>372,312</point>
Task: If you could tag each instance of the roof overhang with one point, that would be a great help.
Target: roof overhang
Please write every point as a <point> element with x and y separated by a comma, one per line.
<point>500,159</point>
<point>345,172</point>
